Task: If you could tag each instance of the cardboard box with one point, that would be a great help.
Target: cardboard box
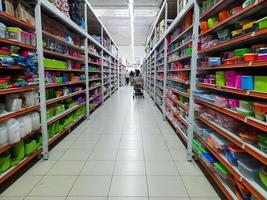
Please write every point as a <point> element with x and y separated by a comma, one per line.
<point>24,14</point>
<point>9,7</point>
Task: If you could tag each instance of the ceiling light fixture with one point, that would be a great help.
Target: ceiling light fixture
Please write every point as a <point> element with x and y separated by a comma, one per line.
<point>131,12</point>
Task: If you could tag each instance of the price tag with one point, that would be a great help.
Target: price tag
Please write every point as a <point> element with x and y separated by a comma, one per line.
<point>250,63</point>
<point>248,92</point>
<point>253,34</point>
<point>245,119</point>
<point>240,178</point>
<point>243,146</point>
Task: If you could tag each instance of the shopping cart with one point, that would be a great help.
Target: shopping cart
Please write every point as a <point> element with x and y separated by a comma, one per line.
<point>138,87</point>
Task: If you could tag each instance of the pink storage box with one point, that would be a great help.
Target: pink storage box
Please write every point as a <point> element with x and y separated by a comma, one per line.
<point>238,82</point>
<point>221,101</point>
<point>262,57</point>
<point>231,78</point>
<point>233,103</point>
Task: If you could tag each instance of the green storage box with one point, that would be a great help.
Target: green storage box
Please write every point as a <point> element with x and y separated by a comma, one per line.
<point>212,22</point>
<point>188,51</point>
<point>4,162</point>
<point>241,52</point>
<point>30,147</point>
<point>262,23</point>
<point>221,170</point>
<point>263,176</point>
<point>50,63</point>
<point>260,83</point>
<point>18,153</point>
<point>59,80</point>
<point>39,141</point>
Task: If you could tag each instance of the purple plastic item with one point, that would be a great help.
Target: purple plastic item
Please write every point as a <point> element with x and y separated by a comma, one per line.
<point>233,103</point>
<point>231,78</point>
<point>206,80</point>
<point>262,57</point>
<point>238,82</point>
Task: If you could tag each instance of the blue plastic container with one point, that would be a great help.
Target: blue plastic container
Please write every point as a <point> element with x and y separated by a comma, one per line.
<point>209,159</point>
<point>232,160</point>
<point>247,83</point>
<point>214,61</point>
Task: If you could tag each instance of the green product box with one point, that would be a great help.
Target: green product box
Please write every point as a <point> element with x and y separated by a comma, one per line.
<point>260,83</point>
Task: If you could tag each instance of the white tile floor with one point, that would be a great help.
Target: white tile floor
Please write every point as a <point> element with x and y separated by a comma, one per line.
<point>124,152</point>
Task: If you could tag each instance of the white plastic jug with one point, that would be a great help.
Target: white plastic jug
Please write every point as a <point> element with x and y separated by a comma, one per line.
<point>13,128</point>
<point>3,135</point>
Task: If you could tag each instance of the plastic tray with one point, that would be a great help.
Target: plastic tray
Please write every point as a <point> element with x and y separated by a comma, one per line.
<point>250,168</point>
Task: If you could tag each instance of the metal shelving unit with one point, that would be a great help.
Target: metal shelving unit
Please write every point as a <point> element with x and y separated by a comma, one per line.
<point>92,69</point>
<point>174,104</point>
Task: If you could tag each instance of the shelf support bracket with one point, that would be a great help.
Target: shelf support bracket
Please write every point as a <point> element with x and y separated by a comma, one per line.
<point>194,59</point>
<point>39,36</point>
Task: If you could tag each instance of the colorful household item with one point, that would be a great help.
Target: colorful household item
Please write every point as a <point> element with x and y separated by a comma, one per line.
<point>250,138</point>
<point>222,171</point>
<point>243,191</point>
<point>30,147</point>
<point>249,27</point>
<point>230,77</point>
<point>220,78</point>
<point>5,162</point>
<point>223,15</point>
<point>247,82</point>
<point>237,33</point>
<point>224,34</point>
<point>233,103</point>
<point>230,61</point>
<point>263,176</point>
<point>241,52</point>
<point>260,83</point>
<point>233,153</point>
<point>260,110</point>
<point>238,82</point>
<point>262,57</point>
<point>214,61</point>
<point>250,168</point>
<point>14,33</point>
<point>212,22</point>
<point>204,27</point>
<point>262,23</point>
<point>18,153</point>
<point>250,57</point>
<point>247,3</point>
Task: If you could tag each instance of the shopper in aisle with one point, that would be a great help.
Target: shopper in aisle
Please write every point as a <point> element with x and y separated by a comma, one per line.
<point>127,77</point>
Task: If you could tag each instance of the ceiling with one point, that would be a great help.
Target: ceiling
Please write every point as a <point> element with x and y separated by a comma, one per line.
<point>115,16</point>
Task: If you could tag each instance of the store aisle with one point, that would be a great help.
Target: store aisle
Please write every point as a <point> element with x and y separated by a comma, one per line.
<point>125,152</point>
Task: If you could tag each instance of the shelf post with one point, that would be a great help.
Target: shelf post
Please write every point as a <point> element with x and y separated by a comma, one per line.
<point>102,66</point>
<point>194,59</point>
<point>109,65</point>
<point>165,64</point>
<point>155,73</point>
<point>41,72</point>
<point>86,66</point>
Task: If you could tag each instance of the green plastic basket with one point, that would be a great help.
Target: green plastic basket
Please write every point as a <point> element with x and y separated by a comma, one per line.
<point>5,162</point>
<point>30,147</point>
<point>260,83</point>
<point>18,152</point>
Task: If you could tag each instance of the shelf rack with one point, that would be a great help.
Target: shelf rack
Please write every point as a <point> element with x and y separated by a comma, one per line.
<point>122,72</point>
<point>173,107</point>
<point>91,66</point>
<point>16,70</point>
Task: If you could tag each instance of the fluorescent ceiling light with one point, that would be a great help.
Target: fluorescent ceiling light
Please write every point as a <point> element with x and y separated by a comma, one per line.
<point>125,12</point>
<point>112,12</point>
<point>131,10</point>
